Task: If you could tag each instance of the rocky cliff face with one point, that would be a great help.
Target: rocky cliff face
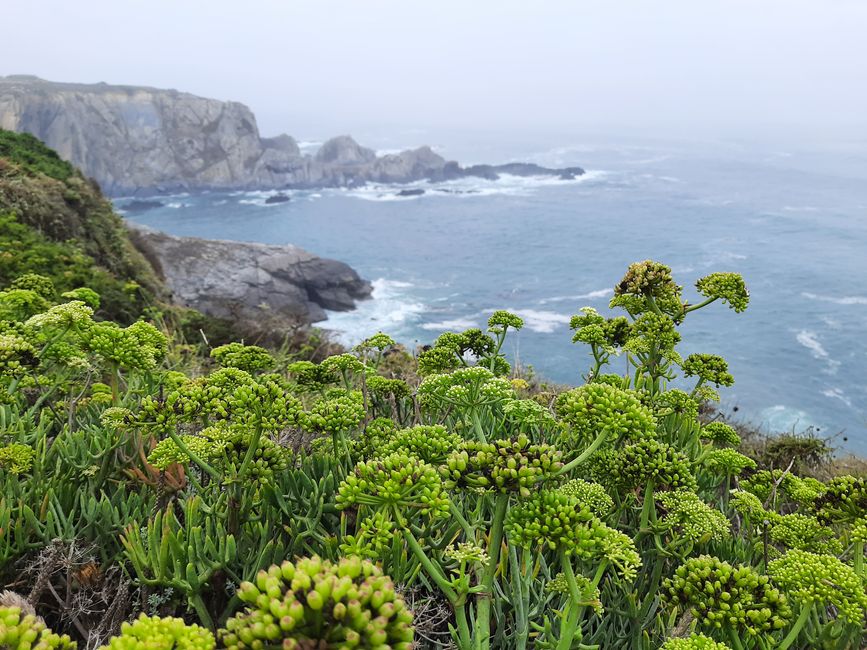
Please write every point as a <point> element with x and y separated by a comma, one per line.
<point>135,140</point>
<point>256,284</point>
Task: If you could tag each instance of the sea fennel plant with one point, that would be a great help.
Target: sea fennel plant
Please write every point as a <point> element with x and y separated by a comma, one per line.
<point>238,497</point>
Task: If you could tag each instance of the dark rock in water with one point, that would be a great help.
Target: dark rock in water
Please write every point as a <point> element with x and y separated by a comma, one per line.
<point>277,198</point>
<point>141,206</point>
<point>259,285</point>
<point>412,192</point>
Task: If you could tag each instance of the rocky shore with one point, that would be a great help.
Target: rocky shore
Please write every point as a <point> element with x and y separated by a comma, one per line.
<point>258,285</point>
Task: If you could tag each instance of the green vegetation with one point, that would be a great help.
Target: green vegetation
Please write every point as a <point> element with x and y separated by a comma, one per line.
<point>245,499</point>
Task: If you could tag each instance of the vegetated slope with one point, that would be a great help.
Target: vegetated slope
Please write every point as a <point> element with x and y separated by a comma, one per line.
<point>55,222</point>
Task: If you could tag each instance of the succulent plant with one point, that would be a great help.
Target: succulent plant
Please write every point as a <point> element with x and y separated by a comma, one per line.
<point>314,603</point>
<point>250,358</point>
<point>694,642</point>
<point>20,631</point>
<point>593,408</point>
<point>727,287</point>
<point>722,596</point>
<point>502,465</point>
<point>156,633</point>
<point>688,517</point>
<point>589,494</point>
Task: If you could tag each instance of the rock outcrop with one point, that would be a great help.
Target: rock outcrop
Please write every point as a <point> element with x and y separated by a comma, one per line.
<point>138,140</point>
<point>258,285</point>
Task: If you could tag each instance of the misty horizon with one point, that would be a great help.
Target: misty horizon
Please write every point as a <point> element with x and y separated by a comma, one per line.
<point>721,70</point>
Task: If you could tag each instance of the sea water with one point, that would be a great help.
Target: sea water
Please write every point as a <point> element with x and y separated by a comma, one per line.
<point>792,220</point>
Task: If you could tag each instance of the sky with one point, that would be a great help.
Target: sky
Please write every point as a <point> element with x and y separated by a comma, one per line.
<point>703,67</point>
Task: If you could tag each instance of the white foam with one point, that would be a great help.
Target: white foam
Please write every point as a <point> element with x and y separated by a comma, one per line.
<point>592,295</point>
<point>810,341</point>
<point>541,321</point>
<point>845,300</point>
<point>780,418</point>
<point>837,393</point>
<point>390,309</point>
<point>450,325</point>
<point>176,205</point>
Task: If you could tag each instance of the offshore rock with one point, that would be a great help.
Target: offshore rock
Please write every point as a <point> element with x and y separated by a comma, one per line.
<point>136,140</point>
<point>257,285</point>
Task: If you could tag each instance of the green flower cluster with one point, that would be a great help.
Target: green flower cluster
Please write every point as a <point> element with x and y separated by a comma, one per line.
<point>693,642</point>
<point>709,368</point>
<point>589,494</point>
<point>588,595</point>
<point>648,279</point>
<point>16,458</point>
<point>431,444</point>
<point>338,414</point>
<point>19,631</point>
<point>377,433</point>
<point>843,500</point>
<point>396,481</point>
<point>311,376</point>
<point>16,355</point>
<point>675,402</point>
<point>688,517</point>
<point>526,414</point>
<point>594,329</point>
<point>384,387</point>
<point>374,535</point>
<point>728,287</point>
<point>811,578</point>
<point>85,294</point>
<point>593,408</point>
<point>802,532</point>
<point>501,319</point>
<point>156,633</point>
<point>654,330</point>
<point>502,465</point>
<point>20,304</point>
<point>250,358</point>
<point>378,341</point>
<point>803,491</point>
<point>727,462</point>
<point>38,284</point>
<point>720,433</point>
<point>466,388</point>
<point>140,346</point>
<point>650,460</point>
<point>468,553</point>
<point>560,522</point>
<point>313,603</point>
<point>723,596</point>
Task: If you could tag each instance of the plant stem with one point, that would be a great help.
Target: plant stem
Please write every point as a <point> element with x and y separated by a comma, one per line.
<point>210,471</point>
<point>792,636</point>
<point>575,462</point>
<point>483,602</point>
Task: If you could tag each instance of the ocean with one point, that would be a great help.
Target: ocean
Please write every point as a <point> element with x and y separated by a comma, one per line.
<point>791,219</point>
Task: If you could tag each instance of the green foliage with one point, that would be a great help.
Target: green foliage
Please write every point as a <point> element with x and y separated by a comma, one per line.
<point>256,499</point>
<point>32,155</point>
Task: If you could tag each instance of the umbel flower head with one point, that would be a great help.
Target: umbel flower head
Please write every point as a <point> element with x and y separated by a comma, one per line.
<point>38,284</point>
<point>843,500</point>
<point>501,320</point>
<point>588,595</point>
<point>250,358</point>
<point>728,287</point>
<point>560,522</point>
<point>594,329</point>
<point>721,434</point>
<point>693,642</point>
<point>589,494</point>
<point>17,355</point>
<point>727,462</point>
<point>686,516</point>
<point>593,408</point>
<point>156,633</point>
<point>465,388</point>
<point>342,413</point>
<point>650,460</point>
<point>810,578</point>
<point>20,631</point>
<point>502,465</point>
<point>648,279</point>
<point>313,603</point>
<point>722,596</point>
<point>396,481</point>
<point>431,444</point>
<point>709,368</point>
<point>526,415</point>
<point>16,458</point>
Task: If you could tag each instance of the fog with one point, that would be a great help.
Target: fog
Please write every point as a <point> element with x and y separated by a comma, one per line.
<point>692,68</point>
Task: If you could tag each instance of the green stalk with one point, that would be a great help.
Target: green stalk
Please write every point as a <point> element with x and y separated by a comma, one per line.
<point>435,574</point>
<point>483,602</point>
<point>569,624</point>
<point>210,471</point>
<point>477,425</point>
<point>859,558</point>
<point>792,636</point>
<point>575,462</point>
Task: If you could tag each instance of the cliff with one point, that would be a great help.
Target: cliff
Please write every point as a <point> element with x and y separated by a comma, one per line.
<point>139,140</point>
<point>250,283</point>
<point>56,223</point>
